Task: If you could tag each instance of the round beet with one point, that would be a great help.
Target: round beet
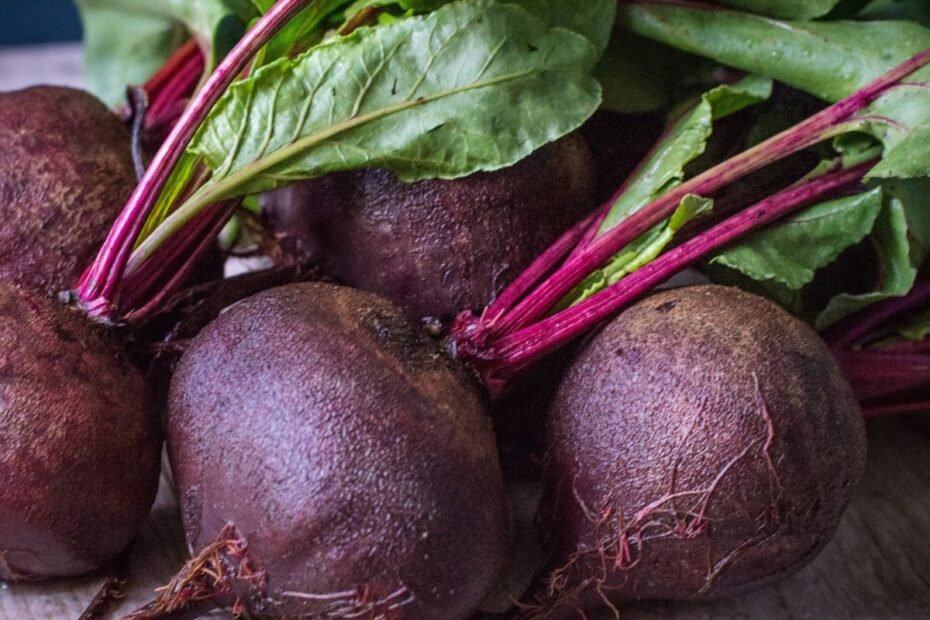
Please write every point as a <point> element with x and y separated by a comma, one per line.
<point>65,172</point>
<point>333,454</point>
<point>436,247</point>
<point>703,443</point>
<point>79,442</point>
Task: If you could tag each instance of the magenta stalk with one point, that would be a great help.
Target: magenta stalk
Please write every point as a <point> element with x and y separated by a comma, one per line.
<point>507,356</point>
<point>96,288</point>
<point>819,127</point>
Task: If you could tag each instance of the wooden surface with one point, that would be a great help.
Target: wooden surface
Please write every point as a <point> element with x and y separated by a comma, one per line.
<point>877,567</point>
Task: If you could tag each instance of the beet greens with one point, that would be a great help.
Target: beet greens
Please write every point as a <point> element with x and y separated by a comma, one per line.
<point>377,108</point>
<point>497,342</point>
<point>602,264</point>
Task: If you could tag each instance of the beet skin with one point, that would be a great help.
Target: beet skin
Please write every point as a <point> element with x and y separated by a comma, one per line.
<point>79,442</point>
<point>702,444</point>
<point>436,247</point>
<point>354,461</point>
<point>65,172</point>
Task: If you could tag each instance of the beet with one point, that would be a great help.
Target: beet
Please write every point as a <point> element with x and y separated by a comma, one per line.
<point>65,172</point>
<point>702,444</point>
<point>316,428</point>
<point>436,247</point>
<point>79,442</point>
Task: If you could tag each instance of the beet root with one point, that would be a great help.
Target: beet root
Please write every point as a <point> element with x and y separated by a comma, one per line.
<point>65,172</point>
<point>338,457</point>
<point>702,444</point>
<point>79,442</point>
<point>437,247</point>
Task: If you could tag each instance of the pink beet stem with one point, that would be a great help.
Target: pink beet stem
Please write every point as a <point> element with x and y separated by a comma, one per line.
<point>137,285</point>
<point>881,410</point>
<point>541,266</point>
<point>862,327</point>
<point>99,282</point>
<point>188,265</point>
<point>803,135</point>
<point>182,84</point>
<point>516,351</point>
<point>166,74</point>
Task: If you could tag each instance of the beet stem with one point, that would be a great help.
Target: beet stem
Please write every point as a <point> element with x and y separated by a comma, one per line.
<point>595,229</point>
<point>202,239</point>
<point>822,126</point>
<point>183,57</point>
<point>97,285</point>
<point>517,350</point>
<point>542,265</point>
<point>861,328</point>
<point>881,410</point>
<point>176,91</point>
<point>138,104</point>
<point>879,374</point>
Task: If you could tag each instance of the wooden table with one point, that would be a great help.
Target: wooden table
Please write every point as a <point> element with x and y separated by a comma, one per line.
<point>877,566</point>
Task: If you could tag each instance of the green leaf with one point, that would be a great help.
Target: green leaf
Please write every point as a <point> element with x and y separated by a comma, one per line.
<point>422,6</point>
<point>639,75</point>
<point>788,9</point>
<point>301,32</point>
<point>641,251</point>
<point>910,10</point>
<point>892,246</point>
<point>125,41</point>
<point>360,5</point>
<point>593,19</point>
<point>914,197</point>
<point>123,47</point>
<point>791,252</point>
<point>416,6</point>
<point>685,141</point>
<point>474,86</point>
<point>916,329</point>
<point>780,262</point>
<point>828,59</point>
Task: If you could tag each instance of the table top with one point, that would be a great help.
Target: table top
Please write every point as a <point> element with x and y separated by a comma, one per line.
<point>876,567</point>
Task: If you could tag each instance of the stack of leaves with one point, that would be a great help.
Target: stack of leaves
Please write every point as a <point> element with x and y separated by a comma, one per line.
<point>437,89</point>
<point>470,86</point>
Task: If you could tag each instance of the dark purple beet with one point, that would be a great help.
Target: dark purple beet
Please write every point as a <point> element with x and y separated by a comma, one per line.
<point>703,443</point>
<point>354,460</point>
<point>436,247</point>
<point>79,442</point>
<point>65,173</point>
